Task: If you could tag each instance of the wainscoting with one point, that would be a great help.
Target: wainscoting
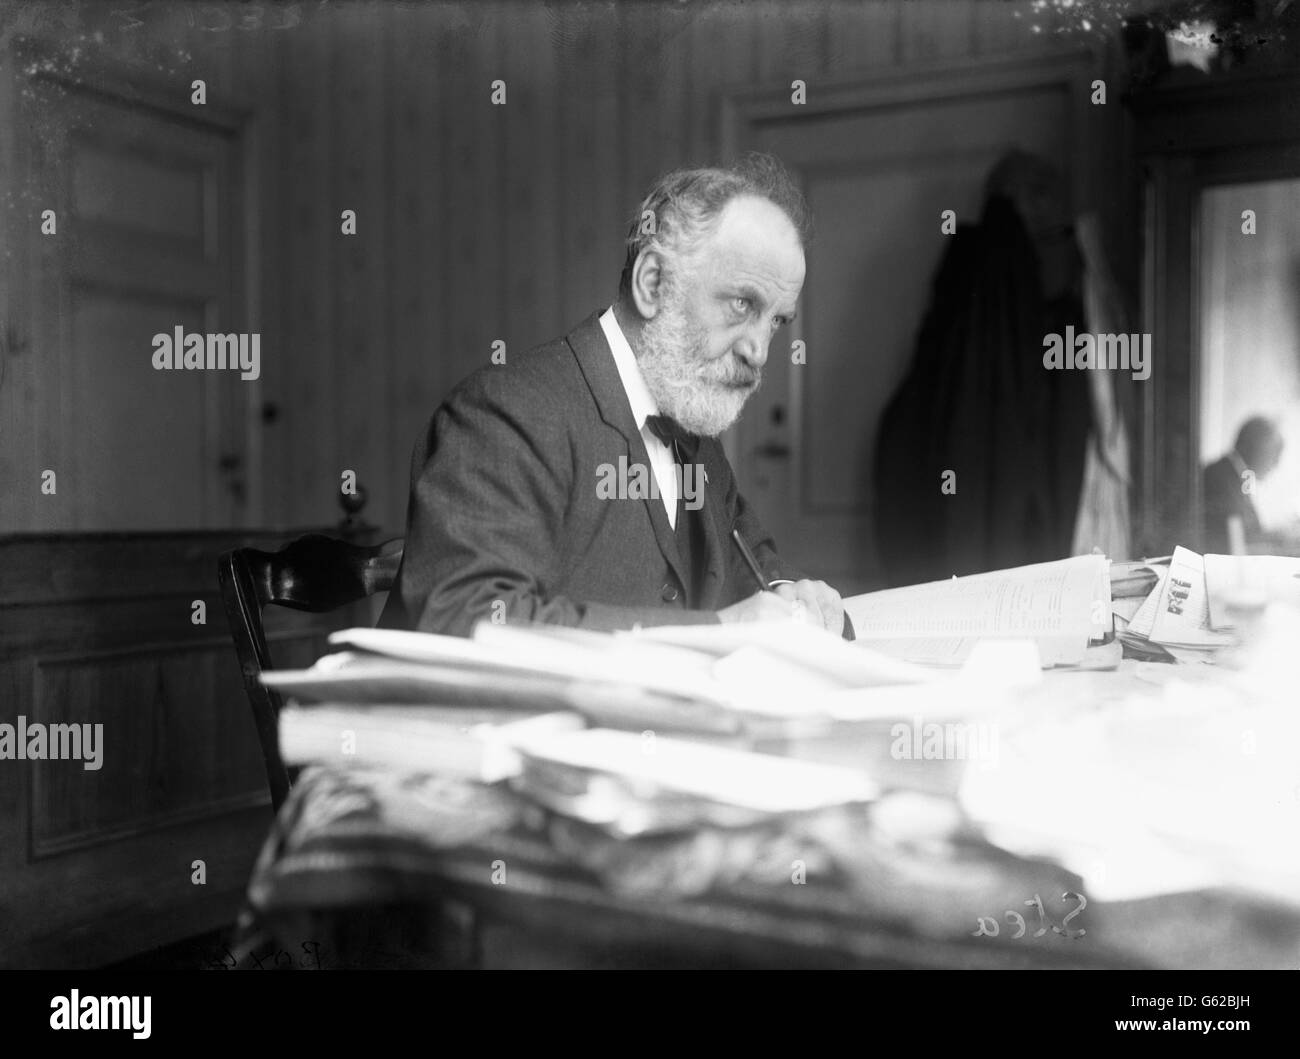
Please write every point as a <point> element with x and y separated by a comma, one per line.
<point>96,865</point>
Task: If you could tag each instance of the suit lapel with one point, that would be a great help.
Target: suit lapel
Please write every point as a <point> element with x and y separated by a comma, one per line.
<point>714,542</point>
<point>596,361</point>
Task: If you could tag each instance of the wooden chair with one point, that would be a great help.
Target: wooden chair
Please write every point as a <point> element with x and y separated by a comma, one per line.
<point>313,573</point>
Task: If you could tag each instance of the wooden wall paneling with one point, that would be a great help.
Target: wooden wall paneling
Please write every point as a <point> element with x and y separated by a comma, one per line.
<point>465,99</point>
<point>221,46</point>
<point>723,50</point>
<point>47,189</point>
<point>495,311</point>
<point>60,446</point>
<point>936,29</point>
<point>573,32</point>
<point>678,102</point>
<point>258,74</point>
<point>361,118</point>
<point>643,98</point>
<point>603,225</point>
<point>1003,26</point>
<point>726,46</point>
<point>96,865</point>
<point>448,74</point>
<point>93,906</point>
<point>257,70</point>
<point>550,176</point>
<point>517,226</point>
<point>15,688</point>
<point>303,437</point>
<point>473,117</point>
<point>21,355</point>
<point>160,765</point>
<point>862,37</point>
<point>534,179</point>
<point>791,45</point>
<point>418,215</point>
<point>520,304</point>
<point>237,402</point>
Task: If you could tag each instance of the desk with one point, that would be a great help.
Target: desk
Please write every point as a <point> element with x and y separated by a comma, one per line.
<point>375,866</point>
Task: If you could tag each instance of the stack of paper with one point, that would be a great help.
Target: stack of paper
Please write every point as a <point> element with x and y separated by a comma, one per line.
<point>465,743</point>
<point>742,680</point>
<point>1175,615</point>
<point>514,702</point>
<point>629,784</point>
<point>414,700</point>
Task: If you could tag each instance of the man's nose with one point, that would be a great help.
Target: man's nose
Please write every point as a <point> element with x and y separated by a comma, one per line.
<point>752,349</point>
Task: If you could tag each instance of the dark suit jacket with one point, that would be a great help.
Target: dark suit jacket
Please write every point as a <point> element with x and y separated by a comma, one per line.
<point>504,507</point>
<point>1224,498</point>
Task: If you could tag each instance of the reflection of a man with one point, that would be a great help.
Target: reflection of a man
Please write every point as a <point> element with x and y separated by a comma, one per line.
<point>1229,484</point>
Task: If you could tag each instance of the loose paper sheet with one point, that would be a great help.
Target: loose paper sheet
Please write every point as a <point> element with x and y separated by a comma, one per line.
<point>1060,605</point>
<point>1183,611</point>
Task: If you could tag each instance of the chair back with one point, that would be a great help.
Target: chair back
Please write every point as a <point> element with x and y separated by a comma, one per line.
<point>314,573</point>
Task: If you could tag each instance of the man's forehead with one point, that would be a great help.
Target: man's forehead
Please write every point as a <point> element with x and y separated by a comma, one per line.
<point>756,242</point>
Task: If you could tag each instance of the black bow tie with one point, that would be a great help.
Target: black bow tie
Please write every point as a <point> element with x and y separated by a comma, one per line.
<point>672,434</point>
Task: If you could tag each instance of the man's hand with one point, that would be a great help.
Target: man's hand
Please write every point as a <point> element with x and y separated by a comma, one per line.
<point>821,603</point>
<point>814,602</point>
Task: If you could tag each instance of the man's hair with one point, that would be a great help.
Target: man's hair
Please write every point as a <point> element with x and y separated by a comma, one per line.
<point>686,205</point>
<point>1255,437</point>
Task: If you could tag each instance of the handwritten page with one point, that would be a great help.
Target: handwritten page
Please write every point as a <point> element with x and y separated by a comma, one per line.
<point>1060,605</point>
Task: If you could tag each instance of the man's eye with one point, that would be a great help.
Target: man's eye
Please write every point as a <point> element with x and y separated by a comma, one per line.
<point>779,322</point>
<point>740,305</point>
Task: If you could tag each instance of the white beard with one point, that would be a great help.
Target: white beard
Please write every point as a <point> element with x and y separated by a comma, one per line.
<point>702,395</point>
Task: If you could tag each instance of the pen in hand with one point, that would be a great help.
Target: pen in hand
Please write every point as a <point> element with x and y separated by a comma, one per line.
<point>750,561</point>
<point>763,586</point>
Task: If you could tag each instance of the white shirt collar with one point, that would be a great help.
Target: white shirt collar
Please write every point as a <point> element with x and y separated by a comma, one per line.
<point>638,394</point>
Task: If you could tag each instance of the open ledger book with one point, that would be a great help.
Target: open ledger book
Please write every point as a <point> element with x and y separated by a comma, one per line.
<point>1061,606</point>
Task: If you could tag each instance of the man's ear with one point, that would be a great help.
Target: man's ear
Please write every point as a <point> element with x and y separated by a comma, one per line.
<point>647,283</point>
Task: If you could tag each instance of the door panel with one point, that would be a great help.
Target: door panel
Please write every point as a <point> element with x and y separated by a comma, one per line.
<point>144,436</point>
<point>877,177</point>
<point>150,211</point>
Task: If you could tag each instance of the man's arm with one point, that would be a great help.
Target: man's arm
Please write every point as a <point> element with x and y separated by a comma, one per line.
<point>490,489</point>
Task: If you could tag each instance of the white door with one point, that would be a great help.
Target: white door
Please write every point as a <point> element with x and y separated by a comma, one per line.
<point>149,206</point>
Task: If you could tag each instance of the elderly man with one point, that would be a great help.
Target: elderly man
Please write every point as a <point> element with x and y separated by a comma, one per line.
<point>583,483</point>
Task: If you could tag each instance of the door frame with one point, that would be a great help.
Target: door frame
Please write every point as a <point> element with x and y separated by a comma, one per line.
<point>43,315</point>
<point>1192,136</point>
